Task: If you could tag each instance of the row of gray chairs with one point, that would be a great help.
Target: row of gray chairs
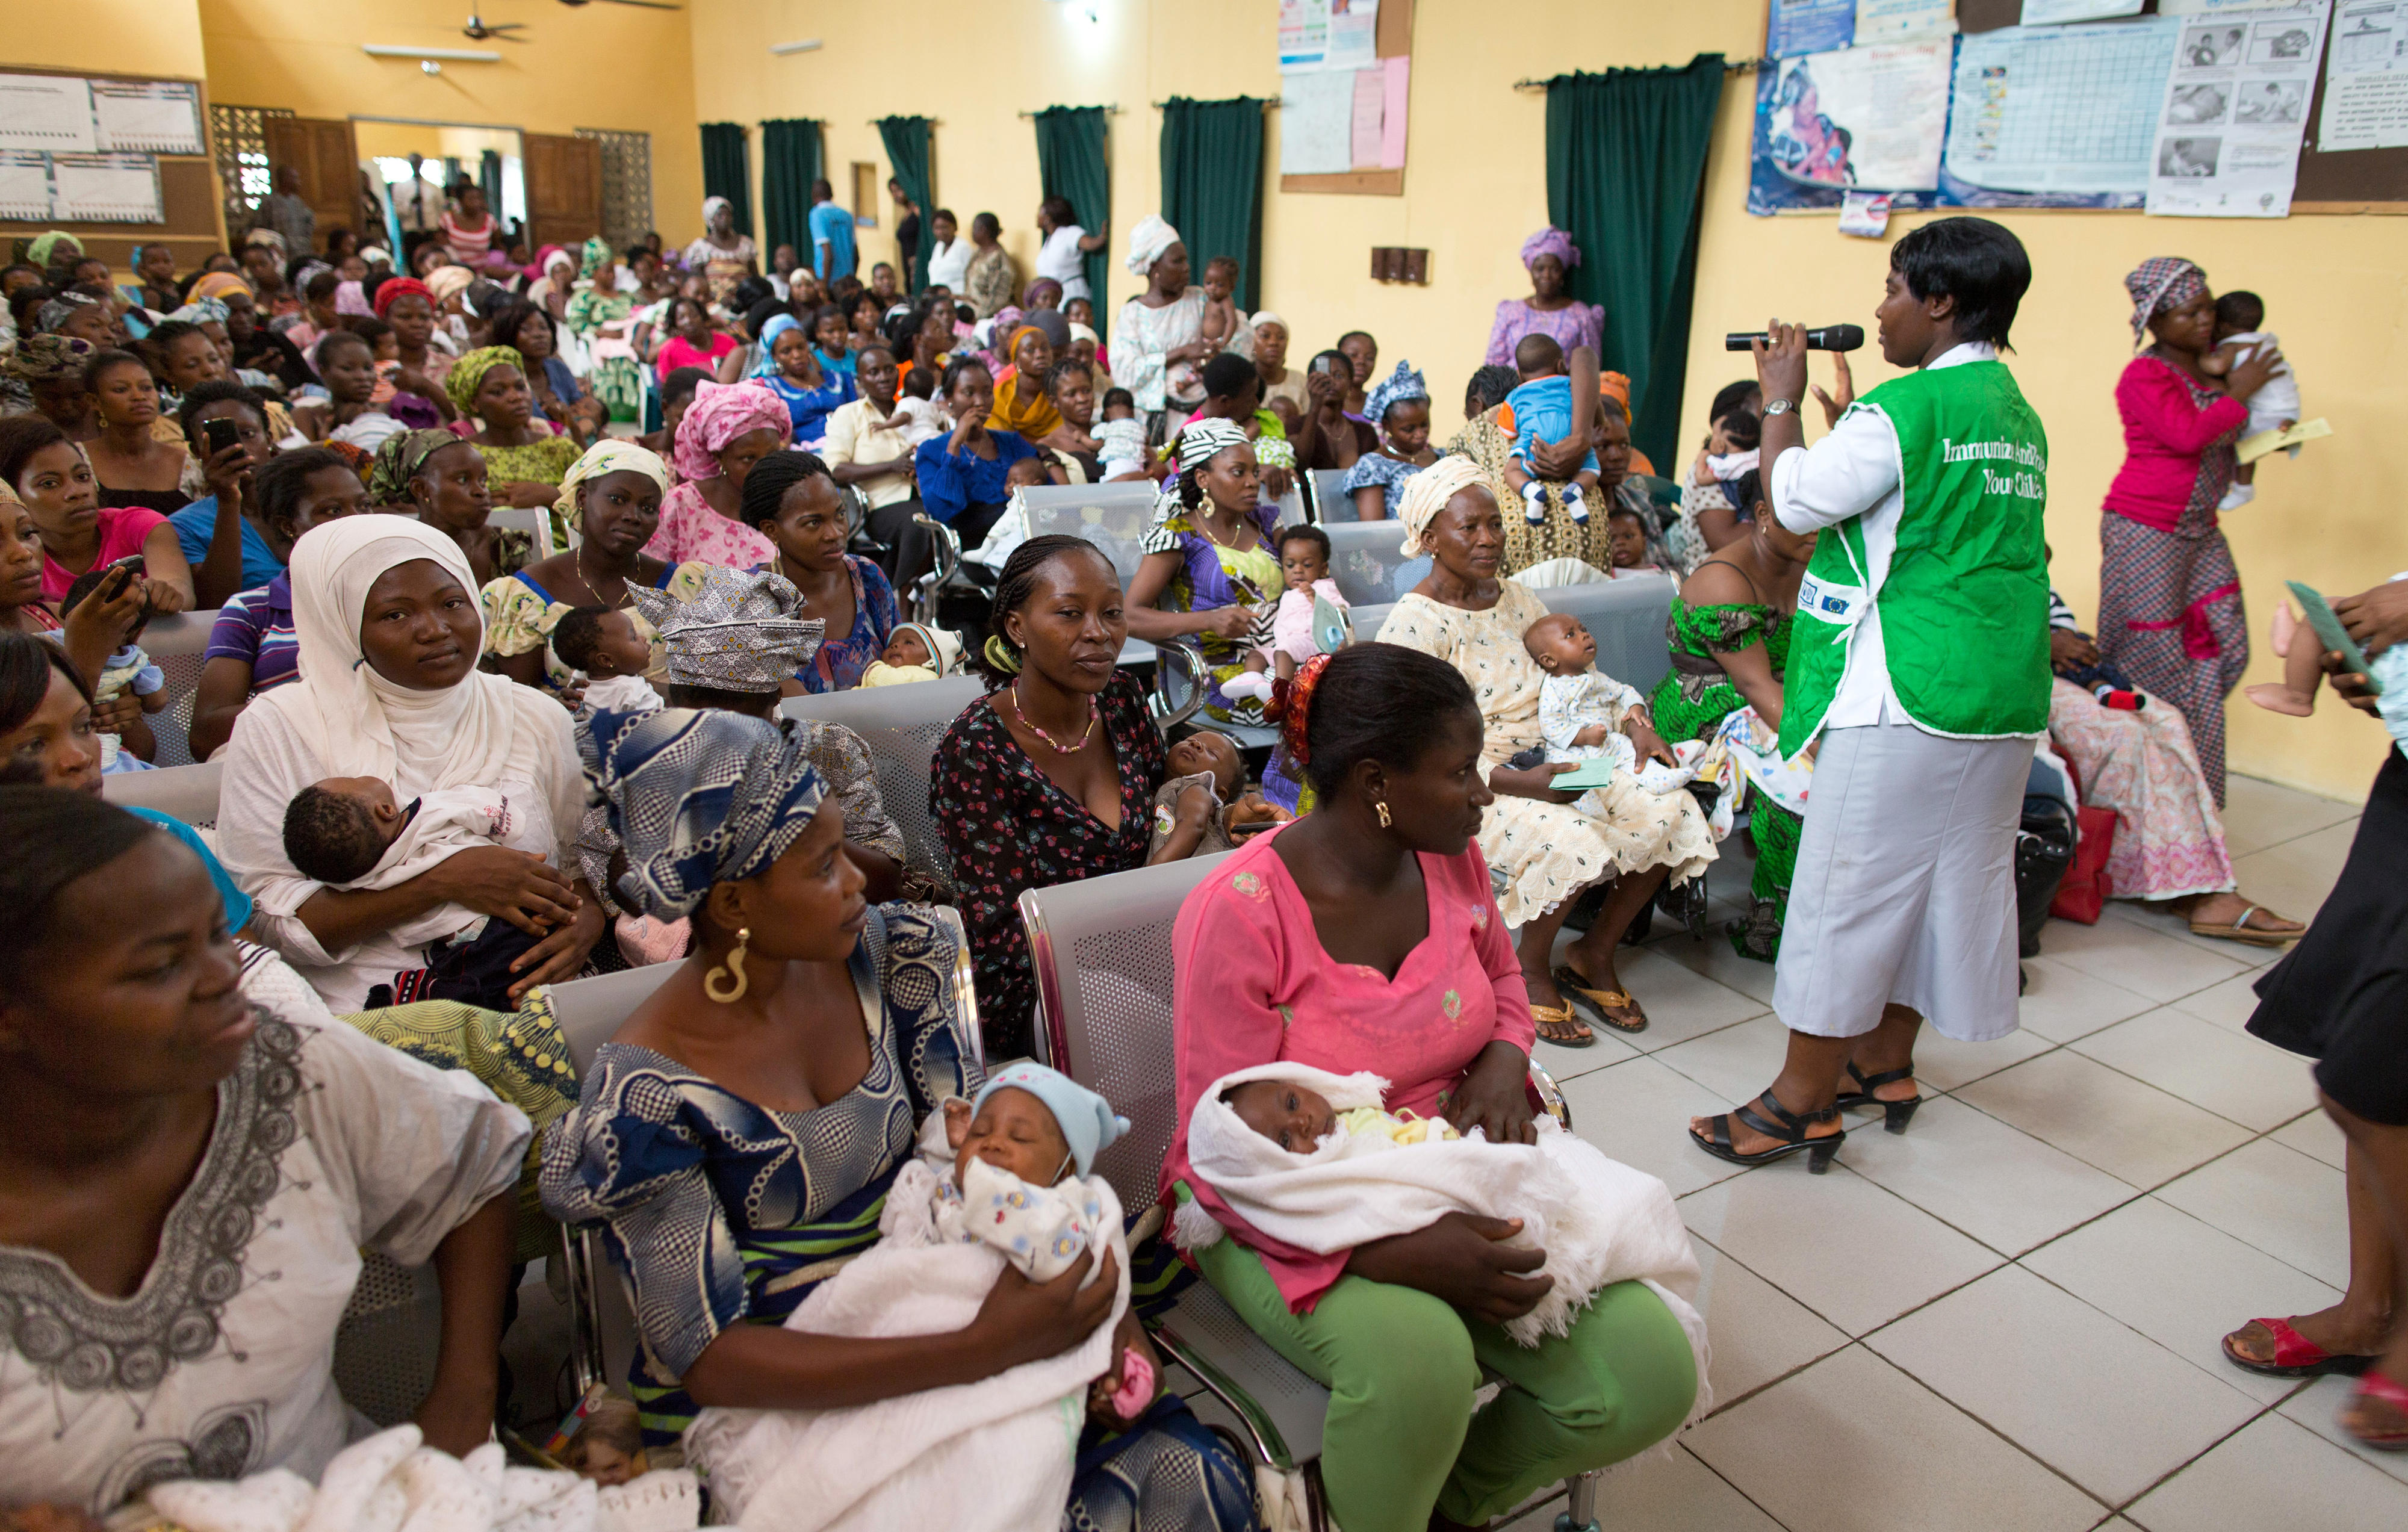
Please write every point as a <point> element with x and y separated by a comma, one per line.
<point>177,645</point>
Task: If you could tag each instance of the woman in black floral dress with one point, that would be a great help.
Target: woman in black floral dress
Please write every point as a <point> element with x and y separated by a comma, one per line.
<point>1051,777</point>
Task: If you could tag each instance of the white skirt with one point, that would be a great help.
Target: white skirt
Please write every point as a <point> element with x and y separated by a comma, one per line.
<point>1905,889</point>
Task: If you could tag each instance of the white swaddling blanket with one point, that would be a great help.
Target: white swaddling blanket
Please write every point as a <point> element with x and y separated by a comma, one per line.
<point>997,1454</point>
<point>1599,1221</point>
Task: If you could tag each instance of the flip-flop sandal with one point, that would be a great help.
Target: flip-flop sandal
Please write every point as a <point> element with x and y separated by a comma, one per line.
<point>1615,1008</point>
<point>1561,1016</point>
<point>2239,930</point>
<point>2295,1354</point>
<point>2375,1386</point>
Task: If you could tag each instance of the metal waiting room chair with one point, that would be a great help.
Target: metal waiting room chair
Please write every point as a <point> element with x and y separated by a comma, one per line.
<point>177,645</point>
<point>188,792</point>
<point>902,725</point>
<point>1101,953</point>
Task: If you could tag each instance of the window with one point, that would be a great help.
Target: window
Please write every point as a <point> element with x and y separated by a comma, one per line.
<point>864,195</point>
<point>237,135</point>
<point>627,184</point>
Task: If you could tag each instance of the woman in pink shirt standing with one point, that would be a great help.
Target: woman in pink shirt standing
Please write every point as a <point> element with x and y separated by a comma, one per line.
<point>1365,936</point>
<point>2170,610</point>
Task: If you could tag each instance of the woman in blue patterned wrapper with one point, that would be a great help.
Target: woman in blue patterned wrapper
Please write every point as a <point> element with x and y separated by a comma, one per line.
<point>737,1135</point>
<point>1211,572</point>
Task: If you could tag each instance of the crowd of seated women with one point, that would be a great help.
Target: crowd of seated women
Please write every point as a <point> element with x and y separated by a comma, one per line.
<point>229,1093</point>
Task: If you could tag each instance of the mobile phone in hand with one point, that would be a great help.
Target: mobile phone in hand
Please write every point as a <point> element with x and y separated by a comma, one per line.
<point>219,433</point>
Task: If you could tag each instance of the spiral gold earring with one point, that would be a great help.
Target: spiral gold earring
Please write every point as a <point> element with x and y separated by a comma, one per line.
<point>734,967</point>
<point>1382,805</point>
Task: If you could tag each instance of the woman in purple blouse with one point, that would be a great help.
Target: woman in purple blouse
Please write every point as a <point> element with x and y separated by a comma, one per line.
<point>1549,310</point>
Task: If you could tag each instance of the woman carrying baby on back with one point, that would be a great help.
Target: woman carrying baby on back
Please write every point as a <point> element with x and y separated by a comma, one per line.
<point>740,1134</point>
<point>1365,936</point>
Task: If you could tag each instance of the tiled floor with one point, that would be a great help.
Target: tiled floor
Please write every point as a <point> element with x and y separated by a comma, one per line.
<point>2008,1318</point>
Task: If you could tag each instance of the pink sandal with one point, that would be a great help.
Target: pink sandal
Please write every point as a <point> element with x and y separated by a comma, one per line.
<point>2295,1354</point>
<point>2375,1386</point>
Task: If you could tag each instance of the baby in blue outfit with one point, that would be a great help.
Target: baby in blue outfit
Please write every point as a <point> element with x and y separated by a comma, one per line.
<point>1542,410</point>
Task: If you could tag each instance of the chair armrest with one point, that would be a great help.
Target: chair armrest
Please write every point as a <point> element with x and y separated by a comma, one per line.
<point>1549,1096</point>
<point>1179,669</point>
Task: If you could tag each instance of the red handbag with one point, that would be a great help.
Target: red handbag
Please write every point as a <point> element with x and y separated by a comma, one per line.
<point>2085,892</point>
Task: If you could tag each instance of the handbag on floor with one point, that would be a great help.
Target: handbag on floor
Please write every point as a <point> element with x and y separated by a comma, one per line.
<point>2086,889</point>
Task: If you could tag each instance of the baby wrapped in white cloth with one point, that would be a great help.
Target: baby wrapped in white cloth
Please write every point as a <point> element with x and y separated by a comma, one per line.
<point>997,1454</point>
<point>1309,1158</point>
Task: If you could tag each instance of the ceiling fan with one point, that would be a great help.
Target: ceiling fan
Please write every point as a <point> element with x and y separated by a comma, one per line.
<point>648,5</point>
<point>478,29</point>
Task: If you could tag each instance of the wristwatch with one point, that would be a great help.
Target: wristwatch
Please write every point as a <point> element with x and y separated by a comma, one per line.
<point>1779,406</point>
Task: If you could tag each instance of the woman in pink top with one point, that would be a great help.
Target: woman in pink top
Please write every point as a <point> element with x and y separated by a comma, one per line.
<point>725,430</point>
<point>53,478</point>
<point>2170,610</point>
<point>692,343</point>
<point>1365,936</point>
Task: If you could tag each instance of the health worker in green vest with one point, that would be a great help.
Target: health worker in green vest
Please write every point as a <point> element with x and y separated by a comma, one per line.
<point>1919,673</point>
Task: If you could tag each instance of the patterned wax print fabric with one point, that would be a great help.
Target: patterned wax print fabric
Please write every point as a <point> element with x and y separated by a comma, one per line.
<point>1209,577</point>
<point>2169,837</point>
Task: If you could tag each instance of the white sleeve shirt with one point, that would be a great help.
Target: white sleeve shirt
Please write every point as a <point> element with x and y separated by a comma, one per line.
<point>1855,470</point>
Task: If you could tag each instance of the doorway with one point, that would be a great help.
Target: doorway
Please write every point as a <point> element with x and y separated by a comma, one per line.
<point>411,165</point>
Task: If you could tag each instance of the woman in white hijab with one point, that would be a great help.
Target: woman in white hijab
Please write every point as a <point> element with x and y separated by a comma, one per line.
<point>1158,345</point>
<point>385,614</point>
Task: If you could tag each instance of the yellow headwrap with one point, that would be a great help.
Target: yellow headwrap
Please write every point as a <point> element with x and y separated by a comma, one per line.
<point>216,284</point>
<point>466,373</point>
<point>1427,494</point>
<point>612,454</point>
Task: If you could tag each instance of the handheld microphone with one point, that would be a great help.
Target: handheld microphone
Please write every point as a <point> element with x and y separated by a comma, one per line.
<point>1830,337</point>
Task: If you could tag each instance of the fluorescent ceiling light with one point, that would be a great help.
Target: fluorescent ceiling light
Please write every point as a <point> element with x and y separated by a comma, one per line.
<point>806,45</point>
<point>463,55</point>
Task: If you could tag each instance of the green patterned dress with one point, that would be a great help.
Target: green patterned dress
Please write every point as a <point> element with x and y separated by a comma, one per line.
<point>1697,695</point>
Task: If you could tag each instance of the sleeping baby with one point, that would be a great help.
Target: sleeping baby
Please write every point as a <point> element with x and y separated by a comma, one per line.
<point>1005,1178</point>
<point>1315,1160</point>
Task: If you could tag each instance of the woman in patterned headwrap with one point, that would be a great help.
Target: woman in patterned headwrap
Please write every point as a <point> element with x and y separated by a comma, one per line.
<point>524,461</point>
<point>724,824</point>
<point>1210,566</point>
<point>2169,611</point>
<point>725,430</point>
<point>441,478</point>
<point>1550,309</point>
<point>1398,408</point>
<point>1547,846</point>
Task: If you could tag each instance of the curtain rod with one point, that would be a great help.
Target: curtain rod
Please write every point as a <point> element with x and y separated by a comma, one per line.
<point>1267,101</point>
<point>1731,66</point>
<point>933,122</point>
<point>1113,111</point>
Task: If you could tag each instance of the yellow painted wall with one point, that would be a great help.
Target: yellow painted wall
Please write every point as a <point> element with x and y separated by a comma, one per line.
<point>121,36</point>
<point>596,66</point>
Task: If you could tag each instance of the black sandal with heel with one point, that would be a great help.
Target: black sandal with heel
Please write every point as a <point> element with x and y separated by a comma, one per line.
<point>1790,1129</point>
<point>1894,1114</point>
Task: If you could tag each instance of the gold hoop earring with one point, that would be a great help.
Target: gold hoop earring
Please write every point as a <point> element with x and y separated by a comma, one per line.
<point>1382,805</point>
<point>735,966</point>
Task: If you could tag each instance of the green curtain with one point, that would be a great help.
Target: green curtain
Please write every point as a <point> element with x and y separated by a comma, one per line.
<point>1213,183</point>
<point>1625,166</point>
<point>790,162</point>
<point>1071,164</point>
<point>726,172</point>
<point>906,149</point>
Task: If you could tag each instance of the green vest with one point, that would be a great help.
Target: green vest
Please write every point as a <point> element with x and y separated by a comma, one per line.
<point>1964,604</point>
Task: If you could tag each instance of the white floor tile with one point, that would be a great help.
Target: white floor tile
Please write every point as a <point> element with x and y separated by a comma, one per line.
<point>2105,1406</point>
<point>2286,1203</point>
<point>1976,1174</point>
<point>2160,919</point>
<point>2229,1005</point>
<point>2318,1408</point>
<point>2061,1002</point>
<point>2181,1284</point>
<point>1570,1062</point>
<point>1714,958</point>
<point>2131,956</point>
<point>1681,1002</point>
<point>2231,1074</point>
<point>2314,1133</point>
<point>2293,878</point>
<point>1638,1113</point>
<point>1944,1064</point>
<point>1758,1332</point>
<point>1672,1492</point>
<point>2275,1474</point>
<point>1854,1445</point>
<point>2258,813</point>
<point>2134,1132</point>
<point>1837,1243</point>
<point>1735,1063</point>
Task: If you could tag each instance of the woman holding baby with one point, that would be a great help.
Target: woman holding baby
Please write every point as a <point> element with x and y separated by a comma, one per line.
<point>1548,847</point>
<point>739,1135</point>
<point>1366,937</point>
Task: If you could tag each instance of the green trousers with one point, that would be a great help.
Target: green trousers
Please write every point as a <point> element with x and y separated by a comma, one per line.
<point>1402,1367</point>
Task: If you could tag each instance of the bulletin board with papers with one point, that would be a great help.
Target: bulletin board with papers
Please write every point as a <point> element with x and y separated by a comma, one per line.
<point>1345,86</point>
<point>115,160</point>
<point>2201,107</point>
